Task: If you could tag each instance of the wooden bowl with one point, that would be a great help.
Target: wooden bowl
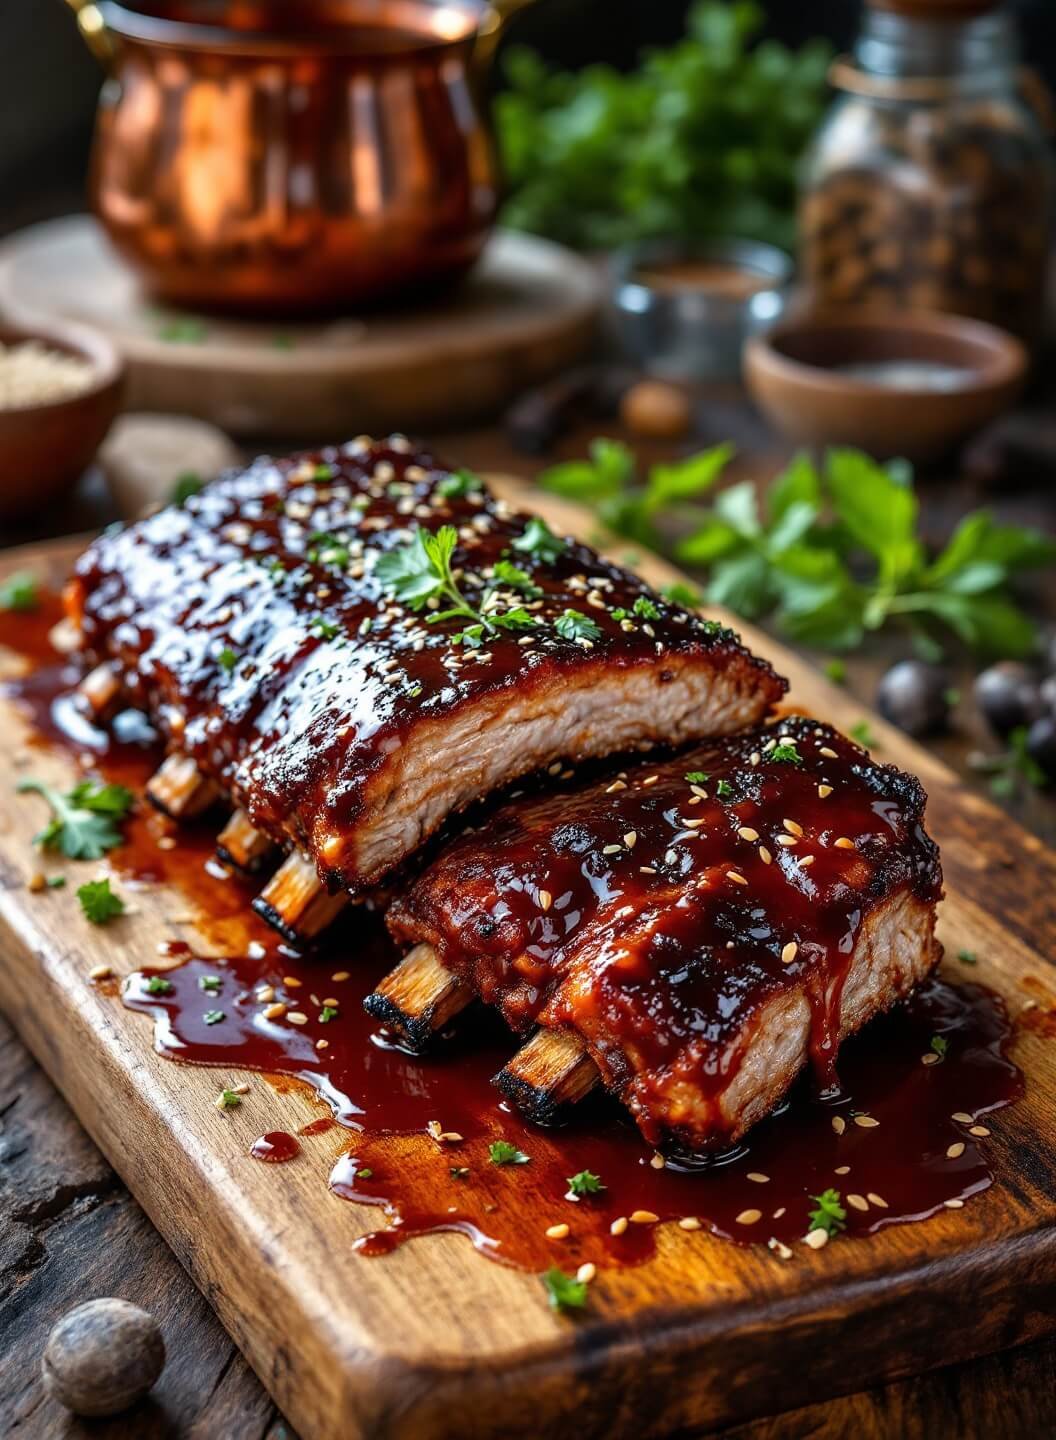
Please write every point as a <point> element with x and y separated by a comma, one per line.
<point>915,384</point>
<point>45,448</point>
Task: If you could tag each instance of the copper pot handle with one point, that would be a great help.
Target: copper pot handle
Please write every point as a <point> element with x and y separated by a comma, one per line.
<point>493,24</point>
<point>93,30</point>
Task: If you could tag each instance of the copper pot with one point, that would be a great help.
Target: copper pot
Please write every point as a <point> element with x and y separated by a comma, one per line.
<point>293,156</point>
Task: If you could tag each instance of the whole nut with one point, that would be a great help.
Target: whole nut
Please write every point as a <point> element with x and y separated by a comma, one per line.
<point>657,409</point>
<point>102,1357</point>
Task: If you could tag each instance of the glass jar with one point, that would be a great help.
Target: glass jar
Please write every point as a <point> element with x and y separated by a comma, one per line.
<point>928,184</point>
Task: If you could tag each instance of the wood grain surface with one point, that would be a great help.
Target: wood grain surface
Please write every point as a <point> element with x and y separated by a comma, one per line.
<point>527,309</point>
<point>434,1341</point>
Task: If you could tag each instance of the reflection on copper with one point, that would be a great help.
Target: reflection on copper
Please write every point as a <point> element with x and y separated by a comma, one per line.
<point>297,159</point>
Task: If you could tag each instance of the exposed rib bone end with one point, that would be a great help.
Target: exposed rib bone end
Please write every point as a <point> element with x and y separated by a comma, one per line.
<point>100,689</point>
<point>551,1071</point>
<point>242,845</point>
<point>179,789</point>
<point>295,901</point>
<point>418,997</point>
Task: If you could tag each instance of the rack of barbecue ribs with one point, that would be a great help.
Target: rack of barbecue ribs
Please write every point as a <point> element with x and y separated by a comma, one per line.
<point>690,933</point>
<point>349,647</point>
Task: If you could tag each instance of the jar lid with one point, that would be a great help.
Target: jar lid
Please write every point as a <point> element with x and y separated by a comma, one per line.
<point>936,9</point>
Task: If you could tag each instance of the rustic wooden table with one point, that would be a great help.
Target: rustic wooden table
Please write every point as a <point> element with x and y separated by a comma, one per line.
<point>69,1230</point>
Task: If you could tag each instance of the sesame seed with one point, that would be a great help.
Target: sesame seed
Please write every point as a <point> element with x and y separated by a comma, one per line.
<point>956,1150</point>
<point>737,878</point>
<point>618,1226</point>
<point>866,1122</point>
<point>789,953</point>
<point>658,1162</point>
<point>962,1117</point>
<point>757,1177</point>
<point>793,828</point>
<point>858,1202</point>
<point>292,981</point>
<point>824,791</point>
<point>545,899</point>
<point>100,972</point>
<point>839,1124</point>
<point>332,1002</point>
<point>586,1272</point>
<point>781,1251</point>
<point>786,840</point>
<point>806,862</point>
<point>322,1044</point>
<point>643,1217</point>
<point>828,752</point>
<point>616,785</point>
<point>749,1217</point>
<point>557,1232</point>
<point>778,1213</point>
<point>275,1012</point>
<point>646,870</point>
<point>764,855</point>
<point>689,1222</point>
<point>650,780</point>
<point>610,850</point>
<point>877,1200</point>
<point>266,994</point>
<point>630,839</point>
<point>297,1017</point>
<point>747,833</point>
<point>979,1130</point>
<point>817,1239</point>
<point>843,843</point>
<point>930,1059</point>
<point>842,1170</point>
<point>754,758</point>
<point>166,842</point>
<point>954,1204</point>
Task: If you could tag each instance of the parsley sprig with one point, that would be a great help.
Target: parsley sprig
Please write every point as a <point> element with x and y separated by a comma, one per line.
<point>585,1182</point>
<point>99,902</point>
<point>501,1152</point>
<point>830,1215</point>
<point>564,1292</point>
<point>83,824</point>
<point>831,552</point>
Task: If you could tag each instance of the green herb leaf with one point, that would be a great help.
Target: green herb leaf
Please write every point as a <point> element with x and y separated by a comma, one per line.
<point>324,629</point>
<point>861,733</point>
<point>939,1045</point>
<point>227,659</point>
<point>99,902</point>
<point>585,1182</point>
<point>967,957</point>
<point>186,485</point>
<point>512,577</point>
<point>213,1017</point>
<point>158,985</point>
<point>210,984</point>
<point>328,1013</point>
<point>182,330</point>
<point>697,777</point>
<point>786,753</point>
<point>82,825</point>
<point>564,1292</point>
<point>539,540</point>
<point>836,670</point>
<point>723,789</point>
<point>573,625</point>
<point>501,1152</point>
<point>830,1215</point>
<point>645,609</point>
<point>459,484</point>
<point>229,1100</point>
<point>56,882</point>
<point>20,592</point>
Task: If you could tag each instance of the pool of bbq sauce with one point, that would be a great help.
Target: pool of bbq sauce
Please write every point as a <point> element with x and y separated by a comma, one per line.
<point>900,1166</point>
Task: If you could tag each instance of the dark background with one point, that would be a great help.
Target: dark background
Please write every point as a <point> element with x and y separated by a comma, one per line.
<point>48,81</point>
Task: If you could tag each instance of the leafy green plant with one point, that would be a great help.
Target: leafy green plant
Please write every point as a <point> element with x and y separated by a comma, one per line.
<point>830,553</point>
<point>702,139</point>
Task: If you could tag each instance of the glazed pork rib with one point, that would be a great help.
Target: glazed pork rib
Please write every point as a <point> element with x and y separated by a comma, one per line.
<point>693,932</point>
<point>353,644</point>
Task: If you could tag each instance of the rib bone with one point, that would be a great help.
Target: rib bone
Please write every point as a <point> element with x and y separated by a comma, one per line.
<point>179,789</point>
<point>100,688</point>
<point>242,845</point>
<point>552,1070</point>
<point>296,902</point>
<point>418,997</point>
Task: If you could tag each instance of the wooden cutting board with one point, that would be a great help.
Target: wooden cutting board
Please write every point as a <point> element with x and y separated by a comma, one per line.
<point>526,310</point>
<point>436,1341</point>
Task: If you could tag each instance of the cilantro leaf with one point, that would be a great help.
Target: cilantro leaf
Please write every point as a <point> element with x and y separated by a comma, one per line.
<point>724,789</point>
<point>830,1215</point>
<point>324,629</point>
<point>573,625</point>
<point>213,1017</point>
<point>414,573</point>
<point>501,1152</point>
<point>939,1046</point>
<point>861,733</point>
<point>227,659</point>
<point>787,753</point>
<point>967,957</point>
<point>20,591</point>
<point>539,540</point>
<point>512,577</point>
<point>328,1013</point>
<point>82,823</point>
<point>697,777</point>
<point>585,1182</point>
<point>458,485</point>
<point>99,902</point>
<point>158,985</point>
<point>210,984</point>
<point>645,609</point>
<point>228,1100</point>
<point>564,1292</point>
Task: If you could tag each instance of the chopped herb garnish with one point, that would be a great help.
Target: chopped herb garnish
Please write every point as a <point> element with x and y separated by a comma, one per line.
<point>56,882</point>
<point>585,1182</point>
<point>724,789</point>
<point>512,577</point>
<point>697,777</point>
<point>186,485</point>
<point>573,625</point>
<point>82,824</point>
<point>99,902</point>
<point>421,571</point>
<point>681,594</point>
<point>501,1152</point>
<point>324,629</point>
<point>182,330</point>
<point>459,484</point>
<point>861,732</point>
<point>645,609</point>
<point>229,1100</point>
<point>213,1017</point>
<point>328,1013</point>
<point>20,591</point>
<point>565,1292</point>
<point>460,1172</point>
<point>786,752</point>
<point>227,659</point>
<point>836,670</point>
<point>830,1215</point>
<point>967,957</point>
<point>364,1173</point>
<point>158,985</point>
<point>539,540</point>
<point>210,984</point>
<point>940,1045</point>
<point>323,471</point>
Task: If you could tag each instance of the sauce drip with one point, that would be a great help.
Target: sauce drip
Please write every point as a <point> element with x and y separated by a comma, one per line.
<point>275,1148</point>
<point>387,1100</point>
